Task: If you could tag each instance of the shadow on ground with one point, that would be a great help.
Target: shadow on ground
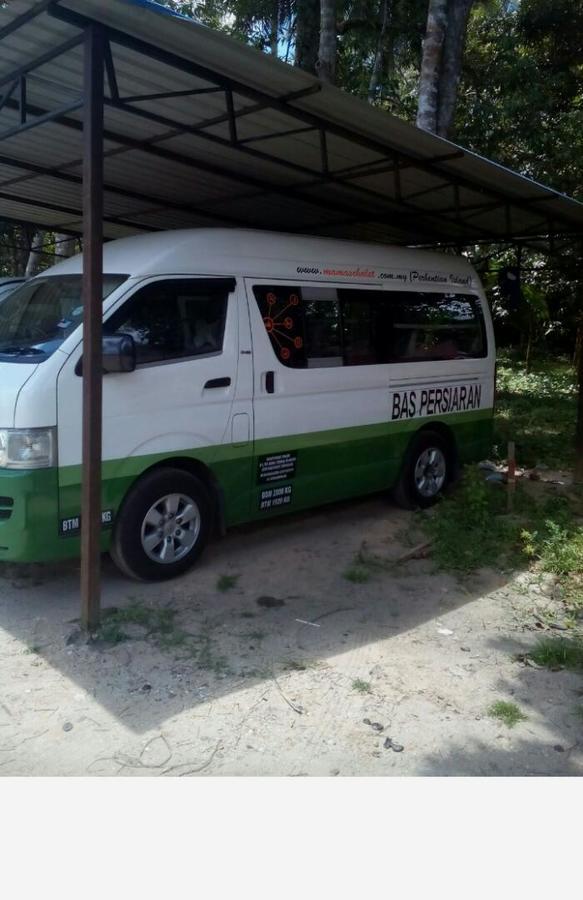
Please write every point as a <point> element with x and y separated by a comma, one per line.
<point>296,563</point>
<point>276,673</point>
<point>548,742</point>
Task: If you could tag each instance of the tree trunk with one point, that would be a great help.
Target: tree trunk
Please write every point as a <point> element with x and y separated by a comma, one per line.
<point>431,65</point>
<point>274,37</point>
<point>307,34</point>
<point>379,61</point>
<point>35,255</point>
<point>451,68</point>
<point>529,342</point>
<point>65,245</point>
<point>326,65</point>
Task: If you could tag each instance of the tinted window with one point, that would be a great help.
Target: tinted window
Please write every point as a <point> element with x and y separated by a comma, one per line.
<point>174,319</point>
<point>36,318</point>
<point>435,326</point>
<point>312,327</point>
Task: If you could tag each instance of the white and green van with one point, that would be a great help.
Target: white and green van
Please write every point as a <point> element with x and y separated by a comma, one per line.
<point>246,374</point>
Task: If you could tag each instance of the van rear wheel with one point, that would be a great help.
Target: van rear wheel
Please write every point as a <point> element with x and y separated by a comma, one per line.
<point>162,526</point>
<point>426,471</point>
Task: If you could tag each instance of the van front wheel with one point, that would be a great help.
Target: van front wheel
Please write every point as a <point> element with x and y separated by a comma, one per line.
<point>426,471</point>
<point>162,526</point>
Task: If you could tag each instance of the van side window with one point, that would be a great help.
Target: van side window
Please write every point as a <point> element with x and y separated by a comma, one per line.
<point>173,319</point>
<point>311,327</point>
<point>435,327</point>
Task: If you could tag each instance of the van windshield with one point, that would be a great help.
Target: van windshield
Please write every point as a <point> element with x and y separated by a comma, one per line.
<point>36,318</point>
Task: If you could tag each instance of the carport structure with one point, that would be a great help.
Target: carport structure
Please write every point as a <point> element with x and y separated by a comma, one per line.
<point>118,117</point>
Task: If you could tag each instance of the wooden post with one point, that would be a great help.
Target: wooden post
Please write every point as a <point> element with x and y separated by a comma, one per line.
<point>92,317</point>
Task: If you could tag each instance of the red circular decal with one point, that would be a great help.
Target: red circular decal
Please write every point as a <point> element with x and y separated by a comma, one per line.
<point>298,343</point>
<point>285,354</point>
<point>294,299</point>
<point>268,321</point>
<point>271,298</point>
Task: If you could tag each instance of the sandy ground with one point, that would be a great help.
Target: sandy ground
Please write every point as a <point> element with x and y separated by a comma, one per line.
<point>242,688</point>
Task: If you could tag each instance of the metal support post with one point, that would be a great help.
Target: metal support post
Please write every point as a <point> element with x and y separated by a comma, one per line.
<point>92,316</point>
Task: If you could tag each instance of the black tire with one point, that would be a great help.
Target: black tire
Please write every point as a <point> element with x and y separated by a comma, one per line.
<point>150,497</point>
<point>407,492</point>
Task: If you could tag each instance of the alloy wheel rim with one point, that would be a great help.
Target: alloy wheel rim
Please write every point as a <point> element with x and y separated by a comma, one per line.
<point>170,528</point>
<point>430,471</point>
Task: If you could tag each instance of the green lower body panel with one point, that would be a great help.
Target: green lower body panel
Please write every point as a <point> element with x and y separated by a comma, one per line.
<point>28,516</point>
<point>40,510</point>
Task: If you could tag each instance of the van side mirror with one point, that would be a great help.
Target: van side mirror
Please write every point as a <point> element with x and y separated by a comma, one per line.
<point>118,354</point>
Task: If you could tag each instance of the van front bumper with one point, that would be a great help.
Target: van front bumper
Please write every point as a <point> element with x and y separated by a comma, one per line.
<point>29,516</point>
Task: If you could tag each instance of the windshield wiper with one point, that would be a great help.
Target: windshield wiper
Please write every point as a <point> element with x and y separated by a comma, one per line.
<point>21,351</point>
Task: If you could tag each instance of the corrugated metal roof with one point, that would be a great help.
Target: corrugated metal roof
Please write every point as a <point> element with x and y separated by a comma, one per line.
<point>292,155</point>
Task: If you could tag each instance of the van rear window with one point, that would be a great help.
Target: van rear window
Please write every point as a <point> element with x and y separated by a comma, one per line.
<point>312,327</point>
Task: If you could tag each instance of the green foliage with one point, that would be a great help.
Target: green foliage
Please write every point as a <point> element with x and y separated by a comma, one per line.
<point>356,574</point>
<point>559,550</point>
<point>227,582</point>
<point>558,653</point>
<point>362,687</point>
<point>155,620</point>
<point>469,529</point>
<point>537,411</point>
<point>508,713</point>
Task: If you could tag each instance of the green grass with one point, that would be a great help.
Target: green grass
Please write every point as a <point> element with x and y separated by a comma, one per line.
<point>357,574</point>
<point>508,713</point>
<point>537,411</point>
<point>227,582</point>
<point>558,549</point>
<point>471,529</point>
<point>111,633</point>
<point>362,687</point>
<point>558,653</point>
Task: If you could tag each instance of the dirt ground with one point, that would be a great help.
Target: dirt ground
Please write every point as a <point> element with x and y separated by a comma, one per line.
<point>279,674</point>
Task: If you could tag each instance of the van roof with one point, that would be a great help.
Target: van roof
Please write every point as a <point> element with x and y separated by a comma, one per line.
<point>248,251</point>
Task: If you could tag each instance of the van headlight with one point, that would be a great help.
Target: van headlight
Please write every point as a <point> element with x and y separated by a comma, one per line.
<point>27,448</point>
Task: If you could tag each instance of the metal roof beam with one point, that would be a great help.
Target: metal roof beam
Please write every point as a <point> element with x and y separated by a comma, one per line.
<point>273,135</point>
<point>170,95</point>
<point>28,16</point>
<point>47,57</point>
<point>262,186</point>
<point>27,124</point>
<point>36,171</point>
<point>70,211</point>
<point>173,60</point>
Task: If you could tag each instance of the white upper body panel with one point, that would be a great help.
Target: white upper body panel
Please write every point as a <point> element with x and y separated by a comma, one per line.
<point>246,252</point>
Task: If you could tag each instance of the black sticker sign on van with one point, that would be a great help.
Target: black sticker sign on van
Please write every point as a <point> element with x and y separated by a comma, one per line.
<point>276,467</point>
<point>412,404</point>
<point>271,498</point>
<point>71,527</point>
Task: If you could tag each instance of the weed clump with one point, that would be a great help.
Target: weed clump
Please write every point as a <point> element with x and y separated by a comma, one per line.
<point>356,574</point>
<point>227,582</point>
<point>508,713</point>
<point>468,528</point>
<point>558,653</point>
<point>558,549</point>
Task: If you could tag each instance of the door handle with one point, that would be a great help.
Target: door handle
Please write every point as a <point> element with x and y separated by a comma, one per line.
<point>270,382</point>
<point>217,383</point>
